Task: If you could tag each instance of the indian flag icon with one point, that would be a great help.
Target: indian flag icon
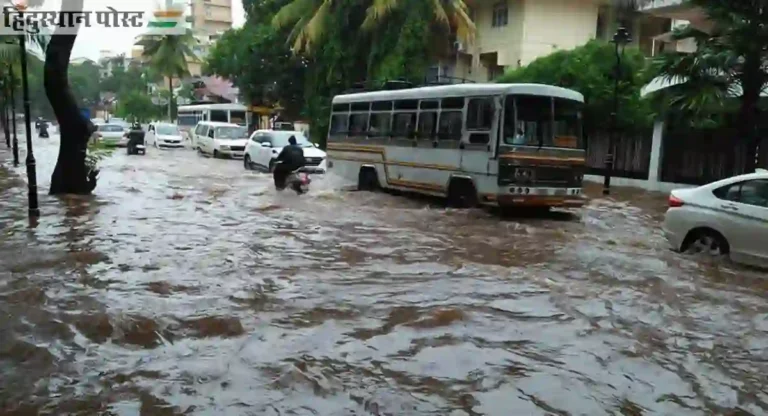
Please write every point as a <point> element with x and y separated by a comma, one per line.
<point>168,21</point>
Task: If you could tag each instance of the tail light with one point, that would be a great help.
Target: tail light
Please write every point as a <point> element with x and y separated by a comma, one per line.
<point>675,202</point>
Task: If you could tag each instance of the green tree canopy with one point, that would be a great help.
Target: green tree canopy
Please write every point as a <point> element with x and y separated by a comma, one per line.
<point>730,61</point>
<point>256,59</point>
<point>137,106</point>
<point>590,70</point>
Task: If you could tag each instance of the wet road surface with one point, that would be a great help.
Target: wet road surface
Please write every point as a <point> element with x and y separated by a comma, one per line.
<point>186,285</point>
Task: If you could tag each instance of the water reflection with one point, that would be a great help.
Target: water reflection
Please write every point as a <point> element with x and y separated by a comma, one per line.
<point>188,285</point>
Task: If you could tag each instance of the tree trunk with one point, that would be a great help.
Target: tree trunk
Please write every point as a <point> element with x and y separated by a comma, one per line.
<point>71,175</point>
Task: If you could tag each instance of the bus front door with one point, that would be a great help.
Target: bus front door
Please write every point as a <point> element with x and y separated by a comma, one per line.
<point>479,140</point>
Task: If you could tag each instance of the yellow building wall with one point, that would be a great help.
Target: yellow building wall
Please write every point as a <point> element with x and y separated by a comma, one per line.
<point>553,25</point>
<point>504,40</point>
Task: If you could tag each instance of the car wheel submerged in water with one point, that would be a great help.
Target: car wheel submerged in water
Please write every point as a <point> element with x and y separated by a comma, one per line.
<point>706,242</point>
<point>247,163</point>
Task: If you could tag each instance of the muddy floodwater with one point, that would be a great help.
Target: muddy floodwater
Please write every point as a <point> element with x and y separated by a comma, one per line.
<point>187,285</point>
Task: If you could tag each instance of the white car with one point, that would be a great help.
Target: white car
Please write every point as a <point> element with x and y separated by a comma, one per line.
<point>111,134</point>
<point>265,145</point>
<point>220,139</point>
<point>727,217</point>
<point>164,135</point>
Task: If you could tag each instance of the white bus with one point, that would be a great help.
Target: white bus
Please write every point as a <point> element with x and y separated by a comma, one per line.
<point>190,115</point>
<point>489,144</point>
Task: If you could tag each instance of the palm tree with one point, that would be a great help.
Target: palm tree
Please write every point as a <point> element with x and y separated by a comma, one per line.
<point>168,55</point>
<point>311,17</point>
<point>730,61</point>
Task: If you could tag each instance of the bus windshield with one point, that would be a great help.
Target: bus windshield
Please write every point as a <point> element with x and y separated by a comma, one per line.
<point>543,122</point>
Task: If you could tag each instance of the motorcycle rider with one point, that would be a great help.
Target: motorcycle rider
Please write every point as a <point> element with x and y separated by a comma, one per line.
<point>135,137</point>
<point>290,159</point>
<point>43,129</point>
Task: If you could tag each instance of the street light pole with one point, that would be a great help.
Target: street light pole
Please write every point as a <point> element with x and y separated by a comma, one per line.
<point>34,210</point>
<point>13,117</point>
<point>620,40</point>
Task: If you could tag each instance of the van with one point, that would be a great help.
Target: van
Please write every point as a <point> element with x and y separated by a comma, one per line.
<point>219,139</point>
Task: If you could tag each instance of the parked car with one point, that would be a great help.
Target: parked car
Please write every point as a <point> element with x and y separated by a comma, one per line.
<point>220,139</point>
<point>724,218</point>
<point>111,134</point>
<point>164,135</point>
<point>265,145</point>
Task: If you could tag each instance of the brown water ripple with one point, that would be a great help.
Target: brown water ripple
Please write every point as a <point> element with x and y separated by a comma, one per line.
<point>187,286</point>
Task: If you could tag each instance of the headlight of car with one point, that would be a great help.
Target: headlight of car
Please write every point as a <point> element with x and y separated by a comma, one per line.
<point>224,147</point>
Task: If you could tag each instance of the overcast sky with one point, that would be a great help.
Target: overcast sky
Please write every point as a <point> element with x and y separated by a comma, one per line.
<point>91,40</point>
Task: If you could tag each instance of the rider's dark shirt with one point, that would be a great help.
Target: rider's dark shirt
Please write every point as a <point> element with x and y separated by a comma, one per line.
<point>292,157</point>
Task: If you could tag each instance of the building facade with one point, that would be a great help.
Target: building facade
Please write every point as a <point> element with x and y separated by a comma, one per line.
<point>208,19</point>
<point>513,33</point>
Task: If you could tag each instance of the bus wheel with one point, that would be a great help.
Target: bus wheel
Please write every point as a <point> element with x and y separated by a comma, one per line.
<point>367,179</point>
<point>462,193</point>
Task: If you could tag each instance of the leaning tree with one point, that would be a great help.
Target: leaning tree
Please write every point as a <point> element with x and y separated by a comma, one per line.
<point>71,175</point>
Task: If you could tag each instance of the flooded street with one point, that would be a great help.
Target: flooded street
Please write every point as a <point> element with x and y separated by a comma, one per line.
<point>187,285</point>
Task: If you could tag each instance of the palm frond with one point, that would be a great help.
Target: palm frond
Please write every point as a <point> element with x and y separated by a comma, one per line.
<point>295,11</point>
<point>377,12</point>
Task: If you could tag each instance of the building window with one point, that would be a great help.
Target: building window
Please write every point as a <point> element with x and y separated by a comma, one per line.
<point>208,11</point>
<point>500,14</point>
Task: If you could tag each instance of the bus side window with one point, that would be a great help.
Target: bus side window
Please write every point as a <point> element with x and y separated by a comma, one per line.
<point>480,120</point>
<point>339,124</point>
<point>380,124</point>
<point>358,124</point>
<point>427,124</point>
<point>450,125</point>
<point>220,115</point>
<point>404,125</point>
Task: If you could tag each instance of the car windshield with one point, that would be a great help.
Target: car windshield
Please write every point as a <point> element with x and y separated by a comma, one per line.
<point>111,128</point>
<point>281,140</point>
<point>167,130</point>
<point>231,133</point>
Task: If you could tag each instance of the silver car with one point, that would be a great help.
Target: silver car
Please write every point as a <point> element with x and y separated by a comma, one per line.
<point>727,217</point>
<point>111,134</point>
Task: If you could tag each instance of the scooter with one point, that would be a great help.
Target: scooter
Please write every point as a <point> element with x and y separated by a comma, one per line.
<point>298,181</point>
<point>136,145</point>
